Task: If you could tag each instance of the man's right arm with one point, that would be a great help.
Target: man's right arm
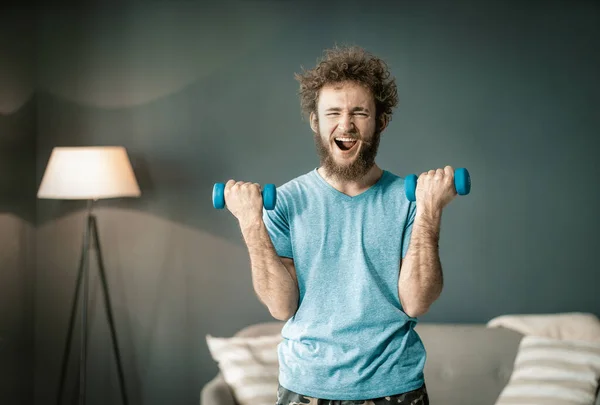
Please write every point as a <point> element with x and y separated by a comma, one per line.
<point>273,277</point>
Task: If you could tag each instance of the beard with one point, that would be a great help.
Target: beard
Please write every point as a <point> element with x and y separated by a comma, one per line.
<point>357,168</point>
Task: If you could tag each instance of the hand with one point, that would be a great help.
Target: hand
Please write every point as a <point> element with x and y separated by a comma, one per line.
<point>435,189</point>
<point>244,200</point>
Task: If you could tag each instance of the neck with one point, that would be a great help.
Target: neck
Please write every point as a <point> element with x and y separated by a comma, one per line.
<point>353,187</point>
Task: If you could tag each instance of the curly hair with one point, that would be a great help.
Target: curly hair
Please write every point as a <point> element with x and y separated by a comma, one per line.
<point>349,63</point>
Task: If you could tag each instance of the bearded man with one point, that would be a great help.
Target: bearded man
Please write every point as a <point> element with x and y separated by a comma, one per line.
<point>344,258</point>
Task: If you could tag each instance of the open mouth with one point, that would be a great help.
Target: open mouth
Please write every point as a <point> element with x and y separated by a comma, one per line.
<point>345,144</point>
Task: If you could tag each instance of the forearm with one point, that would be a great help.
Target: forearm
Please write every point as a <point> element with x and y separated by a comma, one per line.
<point>272,282</point>
<point>421,280</point>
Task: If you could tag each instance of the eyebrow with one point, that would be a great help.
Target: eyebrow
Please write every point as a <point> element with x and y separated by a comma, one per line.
<point>337,109</point>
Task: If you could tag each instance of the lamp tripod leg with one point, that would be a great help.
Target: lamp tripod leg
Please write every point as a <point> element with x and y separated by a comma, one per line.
<point>80,274</point>
<point>91,231</point>
<point>109,312</point>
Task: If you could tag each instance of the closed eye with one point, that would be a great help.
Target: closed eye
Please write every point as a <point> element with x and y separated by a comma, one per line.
<point>335,114</point>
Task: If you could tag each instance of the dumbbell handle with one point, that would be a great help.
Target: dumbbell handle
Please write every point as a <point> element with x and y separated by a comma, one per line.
<point>462,183</point>
<point>269,195</point>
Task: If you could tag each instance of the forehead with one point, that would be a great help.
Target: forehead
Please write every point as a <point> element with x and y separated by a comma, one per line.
<point>345,95</point>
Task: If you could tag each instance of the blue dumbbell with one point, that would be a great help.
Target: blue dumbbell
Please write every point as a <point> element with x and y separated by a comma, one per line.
<point>462,183</point>
<point>268,193</point>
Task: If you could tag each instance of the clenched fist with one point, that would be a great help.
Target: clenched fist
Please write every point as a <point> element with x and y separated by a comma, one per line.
<point>244,201</point>
<point>435,189</point>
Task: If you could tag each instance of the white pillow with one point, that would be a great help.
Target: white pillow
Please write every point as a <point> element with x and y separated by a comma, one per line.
<point>249,366</point>
<point>553,372</point>
<point>565,325</point>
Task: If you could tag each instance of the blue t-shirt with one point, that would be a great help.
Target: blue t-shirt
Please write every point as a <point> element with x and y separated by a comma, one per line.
<point>349,338</point>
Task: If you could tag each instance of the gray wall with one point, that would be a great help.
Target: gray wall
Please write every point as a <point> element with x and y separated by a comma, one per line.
<point>17,206</point>
<point>201,93</point>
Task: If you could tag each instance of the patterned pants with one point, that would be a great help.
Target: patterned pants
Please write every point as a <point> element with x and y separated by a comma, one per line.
<point>416,397</point>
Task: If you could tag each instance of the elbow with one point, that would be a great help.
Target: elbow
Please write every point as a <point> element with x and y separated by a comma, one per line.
<point>282,314</point>
<point>281,317</point>
<point>415,311</point>
<point>415,306</point>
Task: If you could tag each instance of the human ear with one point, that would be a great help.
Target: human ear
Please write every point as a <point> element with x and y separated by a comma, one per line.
<point>314,122</point>
<point>383,122</point>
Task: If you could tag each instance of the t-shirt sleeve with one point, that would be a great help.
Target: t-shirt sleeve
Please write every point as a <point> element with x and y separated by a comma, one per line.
<point>278,227</point>
<point>412,209</point>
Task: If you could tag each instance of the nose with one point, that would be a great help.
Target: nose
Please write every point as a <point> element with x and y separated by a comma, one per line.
<point>346,123</point>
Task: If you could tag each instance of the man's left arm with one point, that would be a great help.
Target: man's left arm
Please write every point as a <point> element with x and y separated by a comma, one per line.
<point>421,279</point>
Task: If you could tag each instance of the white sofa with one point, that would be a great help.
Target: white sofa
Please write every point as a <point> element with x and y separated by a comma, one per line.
<point>467,364</point>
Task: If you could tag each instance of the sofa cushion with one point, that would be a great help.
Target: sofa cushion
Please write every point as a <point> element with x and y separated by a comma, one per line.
<point>553,371</point>
<point>249,365</point>
<point>467,363</point>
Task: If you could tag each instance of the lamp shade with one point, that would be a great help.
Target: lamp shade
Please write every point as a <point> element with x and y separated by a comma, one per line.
<point>88,173</point>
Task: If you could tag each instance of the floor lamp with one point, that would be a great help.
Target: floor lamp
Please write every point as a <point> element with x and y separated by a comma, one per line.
<point>89,173</point>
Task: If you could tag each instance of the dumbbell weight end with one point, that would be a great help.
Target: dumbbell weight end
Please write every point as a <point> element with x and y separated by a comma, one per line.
<point>269,195</point>
<point>462,183</point>
<point>218,196</point>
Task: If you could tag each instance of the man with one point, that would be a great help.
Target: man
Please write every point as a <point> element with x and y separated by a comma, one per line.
<point>344,257</point>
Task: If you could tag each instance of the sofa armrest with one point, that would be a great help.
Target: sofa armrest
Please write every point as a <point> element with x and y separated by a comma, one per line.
<point>217,392</point>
